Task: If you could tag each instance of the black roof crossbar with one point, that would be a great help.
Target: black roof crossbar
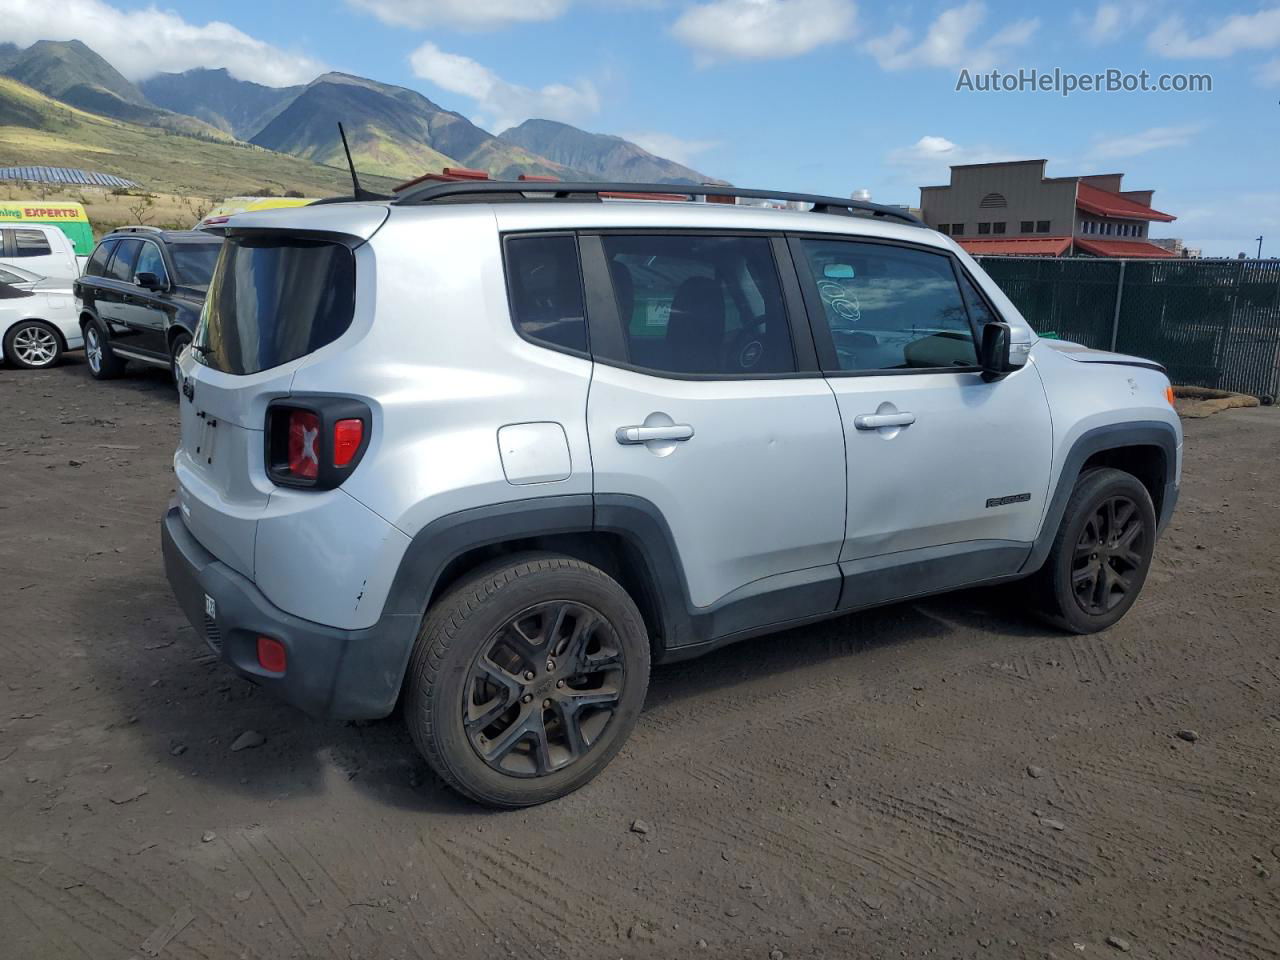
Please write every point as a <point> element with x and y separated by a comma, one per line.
<point>494,191</point>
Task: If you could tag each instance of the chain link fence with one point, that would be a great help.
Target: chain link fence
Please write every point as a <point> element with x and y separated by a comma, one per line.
<point>1212,323</point>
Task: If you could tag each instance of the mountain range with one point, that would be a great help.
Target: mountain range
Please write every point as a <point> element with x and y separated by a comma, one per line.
<point>394,132</point>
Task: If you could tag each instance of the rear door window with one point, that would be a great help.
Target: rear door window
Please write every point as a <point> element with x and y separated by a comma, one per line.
<point>699,305</point>
<point>31,243</point>
<point>272,300</point>
<point>121,266</point>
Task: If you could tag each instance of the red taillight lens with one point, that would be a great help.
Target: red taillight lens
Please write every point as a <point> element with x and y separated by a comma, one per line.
<point>271,655</point>
<point>347,435</point>
<point>304,444</point>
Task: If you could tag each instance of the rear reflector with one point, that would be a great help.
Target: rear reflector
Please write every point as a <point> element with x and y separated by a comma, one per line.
<point>271,654</point>
<point>1168,395</point>
<point>347,435</point>
<point>304,442</point>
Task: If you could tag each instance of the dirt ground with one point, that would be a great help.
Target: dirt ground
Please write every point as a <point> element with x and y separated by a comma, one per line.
<point>944,778</point>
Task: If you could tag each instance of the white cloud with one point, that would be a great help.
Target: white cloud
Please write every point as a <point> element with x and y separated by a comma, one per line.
<point>468,14</point>
<point>763,29</point>
<point>929,159</point>
<point>501,103</point>
<point>143,42</point>
<point>1111,20</point>
<point>1237,33</point>
<point>1144,141</point>
<point>671,147</point>
<point>947,42</point>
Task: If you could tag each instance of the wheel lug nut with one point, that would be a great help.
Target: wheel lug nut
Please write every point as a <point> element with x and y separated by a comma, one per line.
<point>546,704</point>
<point>528,674</point>
<point>527,698</point>
<point>559,683</point>
<point>551,664</point>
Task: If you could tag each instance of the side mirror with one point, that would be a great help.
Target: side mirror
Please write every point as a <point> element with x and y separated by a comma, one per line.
<point>994,354</point>
<point>148,281</point>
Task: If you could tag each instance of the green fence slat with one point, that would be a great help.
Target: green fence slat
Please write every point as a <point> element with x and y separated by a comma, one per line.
<point>1212,323</point>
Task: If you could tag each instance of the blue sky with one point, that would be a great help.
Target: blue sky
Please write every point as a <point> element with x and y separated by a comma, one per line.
<point>817,95</point>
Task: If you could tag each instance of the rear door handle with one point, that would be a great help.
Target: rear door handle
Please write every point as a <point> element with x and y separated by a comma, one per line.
<point>874,421</point>
<point>639,434</point>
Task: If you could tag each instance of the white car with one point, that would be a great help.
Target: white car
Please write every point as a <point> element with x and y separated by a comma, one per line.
<point>37,318</point>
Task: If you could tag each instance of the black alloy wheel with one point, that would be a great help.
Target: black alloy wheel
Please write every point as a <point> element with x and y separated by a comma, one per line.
<point>1099,558</point>
<point>544,688</point>
<point>1109,552</point>
<point>527,676</point>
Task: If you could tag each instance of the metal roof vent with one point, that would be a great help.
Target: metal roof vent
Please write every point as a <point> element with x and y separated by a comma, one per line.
<point>993,200</point>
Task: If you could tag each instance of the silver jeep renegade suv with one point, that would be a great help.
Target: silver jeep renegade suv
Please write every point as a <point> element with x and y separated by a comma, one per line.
<point>490,450</point>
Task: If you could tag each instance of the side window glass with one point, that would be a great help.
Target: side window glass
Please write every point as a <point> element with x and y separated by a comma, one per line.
<point>700,305</point>
<point>545,289</point>
<point>978,309</point>
<point>97,264</point>
<point>890,308</point>
<point>150,260</point>
<point>121,267</point>
<point>30,243</point>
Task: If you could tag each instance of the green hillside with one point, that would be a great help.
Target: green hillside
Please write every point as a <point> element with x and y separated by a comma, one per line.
<point>599,155</point>
<point>72,73</point>
<point>36,129</point>
<point>393,131</point>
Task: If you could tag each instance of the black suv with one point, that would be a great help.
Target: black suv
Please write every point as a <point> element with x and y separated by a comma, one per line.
<point>141,294</point>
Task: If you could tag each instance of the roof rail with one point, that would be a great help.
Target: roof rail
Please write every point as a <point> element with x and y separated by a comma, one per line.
<point>493,191</point>
<point>138,228</point>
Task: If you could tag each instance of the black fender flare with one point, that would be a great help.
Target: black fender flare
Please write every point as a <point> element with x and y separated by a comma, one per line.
<point>1138,433</point>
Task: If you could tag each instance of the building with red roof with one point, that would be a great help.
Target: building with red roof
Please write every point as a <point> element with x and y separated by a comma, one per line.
<point>1013,209</point>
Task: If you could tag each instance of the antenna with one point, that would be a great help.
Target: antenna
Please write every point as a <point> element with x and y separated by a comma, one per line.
<point>357,191</point>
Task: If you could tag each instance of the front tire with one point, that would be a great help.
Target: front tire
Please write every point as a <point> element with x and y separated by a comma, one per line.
<point>103,363</point>
<point>1101,554</point>
<point>32,345</point>
<point>526,679</point>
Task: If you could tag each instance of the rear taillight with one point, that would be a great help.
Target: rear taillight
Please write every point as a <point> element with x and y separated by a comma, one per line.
<point>304,443</point>
<point>347,436</point>
<point>315,441</point>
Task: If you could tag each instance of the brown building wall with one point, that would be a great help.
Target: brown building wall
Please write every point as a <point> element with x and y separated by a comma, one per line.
<point>1028,196</point>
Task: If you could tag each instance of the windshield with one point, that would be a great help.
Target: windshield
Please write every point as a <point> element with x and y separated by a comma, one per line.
<point>194,262</point>
<point>273,300</point>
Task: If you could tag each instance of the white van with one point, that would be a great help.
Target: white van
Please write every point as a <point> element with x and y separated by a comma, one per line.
<point>39,248</point>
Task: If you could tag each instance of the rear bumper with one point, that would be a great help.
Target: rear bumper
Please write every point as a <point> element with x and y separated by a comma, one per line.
<point>340,674</point>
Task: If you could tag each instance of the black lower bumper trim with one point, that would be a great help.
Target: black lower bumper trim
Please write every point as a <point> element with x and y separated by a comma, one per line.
<point>340,674</point>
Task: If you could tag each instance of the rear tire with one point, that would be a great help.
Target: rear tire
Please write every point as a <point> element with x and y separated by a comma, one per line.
<point>526,679</point>
<point>1101,554</point>
<point>180,342</point>
<point>103,363</point>
<point>32,345</point>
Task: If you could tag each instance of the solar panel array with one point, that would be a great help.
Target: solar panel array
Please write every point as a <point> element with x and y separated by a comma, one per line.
<point>64,175</point>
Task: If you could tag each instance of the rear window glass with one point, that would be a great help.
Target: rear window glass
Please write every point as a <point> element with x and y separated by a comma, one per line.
<point>273,300</point>
<point>194,262</point>
<point>98,262</point>
<point>546,291</point>
<point>30,243</point>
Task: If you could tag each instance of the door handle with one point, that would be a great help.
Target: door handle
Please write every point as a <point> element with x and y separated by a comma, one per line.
<point>640,434</point>
<point>874,421</point>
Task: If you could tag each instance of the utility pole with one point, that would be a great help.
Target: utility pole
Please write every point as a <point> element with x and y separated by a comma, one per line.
<point>1259,248</point>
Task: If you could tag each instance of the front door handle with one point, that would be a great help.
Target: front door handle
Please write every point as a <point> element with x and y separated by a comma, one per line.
<point>641,434</point>
<point>874,421</point>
